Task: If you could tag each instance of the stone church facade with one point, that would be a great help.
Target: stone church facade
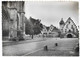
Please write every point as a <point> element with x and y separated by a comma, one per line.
<point>68,29</point>
<point>13,19</point>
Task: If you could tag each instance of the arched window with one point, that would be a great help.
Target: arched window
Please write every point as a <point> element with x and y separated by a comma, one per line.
<point>69,30</point>
<point>69,22</point>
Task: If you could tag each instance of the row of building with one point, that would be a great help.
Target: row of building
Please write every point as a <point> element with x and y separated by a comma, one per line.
<point>67,29</point>
<point>50,31</point>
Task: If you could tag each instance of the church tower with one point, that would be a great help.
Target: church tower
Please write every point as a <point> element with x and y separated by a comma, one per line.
<point>61,23</point>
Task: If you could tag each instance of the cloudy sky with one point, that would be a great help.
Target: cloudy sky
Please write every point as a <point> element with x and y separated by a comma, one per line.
<point>50,12</point>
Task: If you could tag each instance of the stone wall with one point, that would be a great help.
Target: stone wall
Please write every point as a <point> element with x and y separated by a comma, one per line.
<point>16,17</point>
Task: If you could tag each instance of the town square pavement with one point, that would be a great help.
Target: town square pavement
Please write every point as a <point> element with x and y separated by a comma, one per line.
<point>32,47</point>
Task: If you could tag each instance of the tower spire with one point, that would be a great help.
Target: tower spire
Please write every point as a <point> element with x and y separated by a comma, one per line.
<point>61,22</point>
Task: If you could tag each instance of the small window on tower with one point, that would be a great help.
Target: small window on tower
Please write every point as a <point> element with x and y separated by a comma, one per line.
<point>69,30</point>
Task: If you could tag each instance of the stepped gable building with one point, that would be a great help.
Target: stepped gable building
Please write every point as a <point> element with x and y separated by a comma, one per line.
<point>50,31</point>
<point>68,29</point>
<point>13,17</point>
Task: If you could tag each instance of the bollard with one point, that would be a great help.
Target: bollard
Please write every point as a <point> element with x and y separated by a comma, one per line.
<point>56,44</point>
<point>46,48</point>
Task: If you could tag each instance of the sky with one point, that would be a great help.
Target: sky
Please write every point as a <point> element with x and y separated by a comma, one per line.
<point>51,12</point>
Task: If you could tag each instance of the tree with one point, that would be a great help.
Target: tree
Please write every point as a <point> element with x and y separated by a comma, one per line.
<point>33,26</point>
<point>37,25</point>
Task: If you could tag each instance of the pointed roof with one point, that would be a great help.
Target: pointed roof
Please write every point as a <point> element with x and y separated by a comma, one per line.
<point>69,19</point>
<point>51,26</point>
<point>44,26</point>
<point>55,29</point>
<point>61,22</point>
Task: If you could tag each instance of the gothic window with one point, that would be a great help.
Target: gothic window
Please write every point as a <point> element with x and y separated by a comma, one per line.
<point>72,26</point>
<point>66,26</point>
<point>11,4</point>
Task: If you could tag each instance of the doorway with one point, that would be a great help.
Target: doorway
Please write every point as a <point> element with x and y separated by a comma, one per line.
<point>69,36</point>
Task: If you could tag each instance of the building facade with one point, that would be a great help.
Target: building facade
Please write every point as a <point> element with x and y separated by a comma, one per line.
<point>68,29</point>
<point>50,31</point>
<point>13,17</point>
